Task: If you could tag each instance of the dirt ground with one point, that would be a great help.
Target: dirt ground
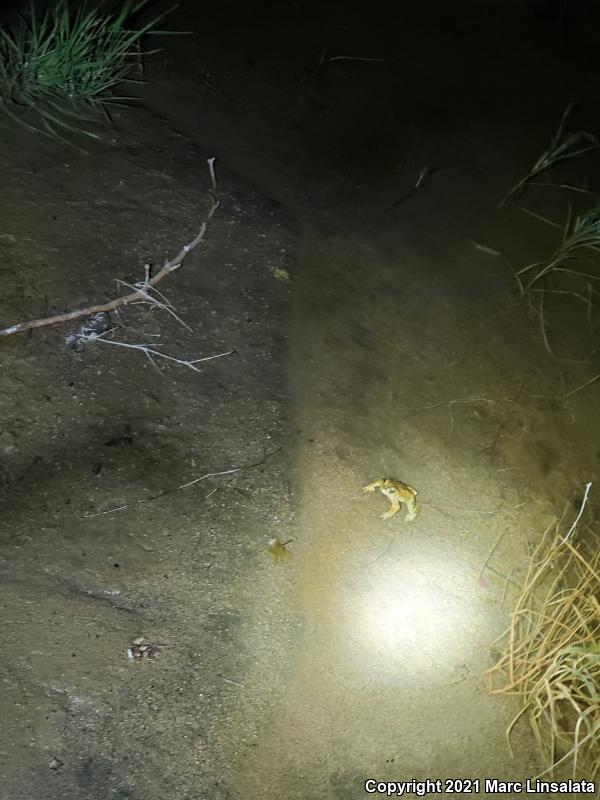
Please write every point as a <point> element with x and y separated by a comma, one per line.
<point>398,347</point>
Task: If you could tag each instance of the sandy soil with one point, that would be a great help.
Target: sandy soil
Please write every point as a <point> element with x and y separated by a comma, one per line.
<point>399,347</point>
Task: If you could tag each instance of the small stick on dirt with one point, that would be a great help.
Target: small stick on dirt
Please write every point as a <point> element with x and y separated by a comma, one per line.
<point>163,304</point>
<point>324,59</point>
<point>424,175</point>
<point>505,589</point>
<point>229,680</point>
<point>352,58</point>
<point>579,388</point>
<point>483,248</point>
<point>571,186</point>
<point>588,486</point>
<point>186,485</point>
<point>140,290</point>
<point>543,324</point>
<point>491,553</point>
<point>150,352</point>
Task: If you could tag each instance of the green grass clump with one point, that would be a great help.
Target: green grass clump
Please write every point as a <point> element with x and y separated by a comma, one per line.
<point>572,270</point>
<point>58,69</point>
<point>562,147</point>
<point>577,255</point>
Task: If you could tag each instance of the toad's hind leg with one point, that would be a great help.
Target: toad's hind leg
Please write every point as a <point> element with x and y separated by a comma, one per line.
<point>393,509</point>
<point>412,510</point>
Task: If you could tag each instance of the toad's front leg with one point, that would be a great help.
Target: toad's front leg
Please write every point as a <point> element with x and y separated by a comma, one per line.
<point>373,485</point>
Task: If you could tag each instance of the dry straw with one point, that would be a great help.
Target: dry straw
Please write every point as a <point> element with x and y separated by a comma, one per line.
<point>551,650</point>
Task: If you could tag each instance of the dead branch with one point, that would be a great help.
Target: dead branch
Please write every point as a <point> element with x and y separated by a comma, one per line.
<point>266,455</point>
<point>151,352</point>
<point>140,290</point>
<point>327,59</point>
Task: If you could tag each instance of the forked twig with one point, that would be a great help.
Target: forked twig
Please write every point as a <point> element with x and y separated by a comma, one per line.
<point>140,292</point>
<point>152,352</point>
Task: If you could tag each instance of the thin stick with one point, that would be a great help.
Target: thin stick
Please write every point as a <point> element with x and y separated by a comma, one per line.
<point>572,187</point>
<point>163,305</point>
<point>483,248</point>
<point>542,313</point>
<point>149,352</point>
<point>541,218</point>
<point>583,502</point>
<point>187,485</point>
<point>140,292</point>
<point>583,385</point>
<point>505,589</point>
<point>491,553</point>
<point>353,58</point>
<point>424,175</point>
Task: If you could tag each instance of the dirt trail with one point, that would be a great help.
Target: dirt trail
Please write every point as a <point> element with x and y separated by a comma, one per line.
<point>386,676</point>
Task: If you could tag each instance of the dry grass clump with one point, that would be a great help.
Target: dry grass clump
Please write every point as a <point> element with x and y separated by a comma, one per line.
<point>551,652</point>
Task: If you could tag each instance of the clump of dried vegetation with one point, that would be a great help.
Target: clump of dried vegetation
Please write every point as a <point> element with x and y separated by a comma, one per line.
<point>551,651</point>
